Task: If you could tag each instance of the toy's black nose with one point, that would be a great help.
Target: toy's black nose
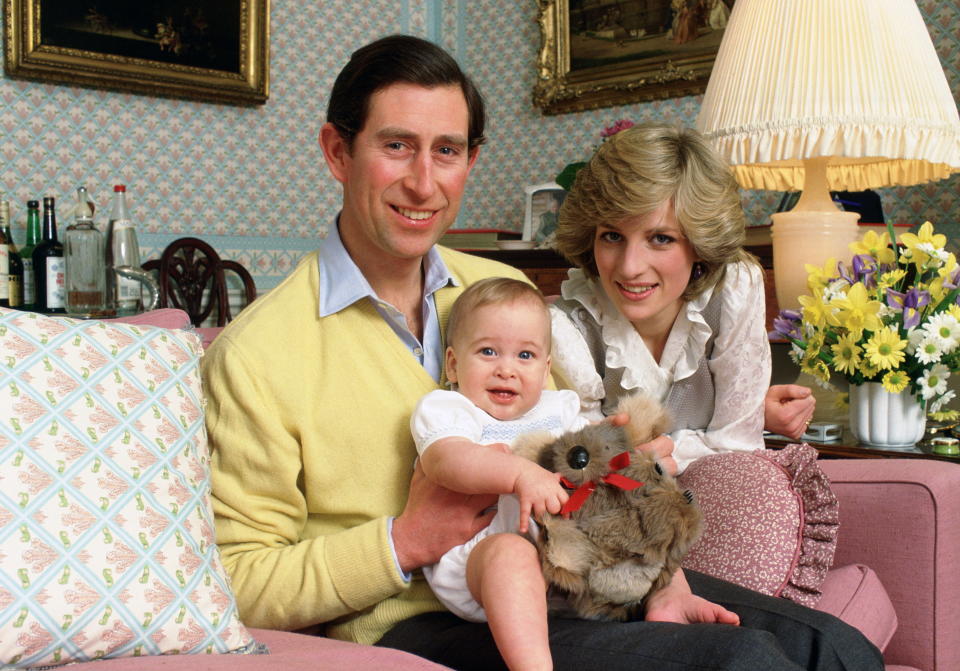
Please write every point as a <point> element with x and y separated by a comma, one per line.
<point>578,457</point>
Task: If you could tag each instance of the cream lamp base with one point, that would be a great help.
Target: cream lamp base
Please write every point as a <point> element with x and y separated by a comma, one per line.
<point>802,237</point>
<point>812,232</point>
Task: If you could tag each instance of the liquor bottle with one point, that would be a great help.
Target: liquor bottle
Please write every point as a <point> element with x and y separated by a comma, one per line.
<point>15,265</point>
<point>48,265</point>
<point>4,267</point>
<point>84,258</point>
<point>122,250</point>
<point>26,254</point>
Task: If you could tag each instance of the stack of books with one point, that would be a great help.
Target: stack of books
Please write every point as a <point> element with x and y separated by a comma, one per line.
<point>472,239</point>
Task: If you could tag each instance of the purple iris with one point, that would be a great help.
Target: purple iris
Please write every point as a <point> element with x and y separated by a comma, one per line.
<point>786,325</point>
<point>865,270</point>
<point>952,281</point>
<point>910,303</point>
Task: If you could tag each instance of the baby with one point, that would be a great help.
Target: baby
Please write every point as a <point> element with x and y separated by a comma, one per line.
<point>498,356</point>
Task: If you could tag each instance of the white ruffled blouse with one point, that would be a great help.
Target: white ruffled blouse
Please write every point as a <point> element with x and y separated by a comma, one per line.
<point>739,362</point>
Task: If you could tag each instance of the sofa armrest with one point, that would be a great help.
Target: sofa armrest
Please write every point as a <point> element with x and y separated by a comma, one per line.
<point>901,517</point>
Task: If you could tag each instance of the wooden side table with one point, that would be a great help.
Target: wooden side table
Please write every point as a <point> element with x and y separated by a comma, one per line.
<point>847,447</point>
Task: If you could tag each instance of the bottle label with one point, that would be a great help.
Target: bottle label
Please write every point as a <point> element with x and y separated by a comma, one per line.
<point>4,271</point>
<point>119,224</point>
<point>128,291</point>
<point>16,291</point>
<point>29,285</point>
<point>56,283</point>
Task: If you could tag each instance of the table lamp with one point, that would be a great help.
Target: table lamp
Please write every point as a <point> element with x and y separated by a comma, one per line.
<point>827,95</point>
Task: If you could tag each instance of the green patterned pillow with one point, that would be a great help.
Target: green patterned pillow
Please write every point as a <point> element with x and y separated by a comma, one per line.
<point>106,533</point>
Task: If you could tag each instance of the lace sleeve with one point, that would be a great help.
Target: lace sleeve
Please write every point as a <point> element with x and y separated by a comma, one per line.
<point>740,365</point>
<point>573,366</point>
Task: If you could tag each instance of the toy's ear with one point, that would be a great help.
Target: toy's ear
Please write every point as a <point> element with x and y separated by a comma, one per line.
<point>648,419</point>
<point>530,445</point>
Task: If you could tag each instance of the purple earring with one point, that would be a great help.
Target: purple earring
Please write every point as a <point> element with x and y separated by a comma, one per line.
<point>699,270</point>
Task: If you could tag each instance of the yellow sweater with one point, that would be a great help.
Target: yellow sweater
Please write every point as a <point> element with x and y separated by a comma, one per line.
<point>308,421</point>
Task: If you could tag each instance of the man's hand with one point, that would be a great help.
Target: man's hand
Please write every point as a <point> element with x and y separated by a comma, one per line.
<point>788,409</point>
<point>676,603</point>
<point>436,519</point>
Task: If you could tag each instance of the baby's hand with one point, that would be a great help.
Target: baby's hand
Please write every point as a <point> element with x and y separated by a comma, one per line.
<point>539,492</point>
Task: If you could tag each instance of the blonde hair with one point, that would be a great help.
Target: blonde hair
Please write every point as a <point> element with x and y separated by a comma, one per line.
<point>492,291</point>
<point>636,171</point>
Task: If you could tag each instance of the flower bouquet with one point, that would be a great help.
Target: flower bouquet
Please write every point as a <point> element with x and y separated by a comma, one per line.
<point>890,316</point>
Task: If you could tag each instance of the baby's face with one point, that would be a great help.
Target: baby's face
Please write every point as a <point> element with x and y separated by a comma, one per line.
<point>501,360</point>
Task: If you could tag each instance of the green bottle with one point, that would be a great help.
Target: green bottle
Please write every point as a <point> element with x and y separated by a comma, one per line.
<point>26,254</point>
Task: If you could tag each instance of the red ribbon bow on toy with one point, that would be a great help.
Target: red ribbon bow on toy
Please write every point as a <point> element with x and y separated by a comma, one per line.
<point>583,492</point>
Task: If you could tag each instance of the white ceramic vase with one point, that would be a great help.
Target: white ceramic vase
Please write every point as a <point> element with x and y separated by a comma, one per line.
<point>880,418</point>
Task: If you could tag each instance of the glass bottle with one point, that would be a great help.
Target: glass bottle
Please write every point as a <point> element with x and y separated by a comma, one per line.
<point>122,250</point>
<point>15,265</point>
<point>26,254</point>
<point>84,258</point>
<point>48,265</point>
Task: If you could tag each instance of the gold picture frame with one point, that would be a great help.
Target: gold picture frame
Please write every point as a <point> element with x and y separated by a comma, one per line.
<point>601,54</point>
<point>195,49</point>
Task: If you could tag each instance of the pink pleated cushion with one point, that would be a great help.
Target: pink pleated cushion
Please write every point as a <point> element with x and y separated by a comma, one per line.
<point>769,520</point>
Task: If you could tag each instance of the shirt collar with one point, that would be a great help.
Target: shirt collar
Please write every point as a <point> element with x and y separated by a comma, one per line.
<point>342,284</point>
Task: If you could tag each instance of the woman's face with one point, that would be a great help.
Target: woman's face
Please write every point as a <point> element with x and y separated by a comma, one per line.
<point>644,264</point>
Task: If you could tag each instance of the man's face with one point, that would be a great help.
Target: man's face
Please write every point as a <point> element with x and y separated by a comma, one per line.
<point>405,173</point>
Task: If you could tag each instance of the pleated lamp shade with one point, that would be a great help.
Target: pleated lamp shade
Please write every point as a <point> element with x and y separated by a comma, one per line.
<point>819,95</point>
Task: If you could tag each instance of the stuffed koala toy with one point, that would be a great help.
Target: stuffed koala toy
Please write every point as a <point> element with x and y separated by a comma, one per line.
<point>627,524</point>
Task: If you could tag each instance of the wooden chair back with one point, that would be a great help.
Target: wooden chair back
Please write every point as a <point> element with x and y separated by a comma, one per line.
<point>192,277</point>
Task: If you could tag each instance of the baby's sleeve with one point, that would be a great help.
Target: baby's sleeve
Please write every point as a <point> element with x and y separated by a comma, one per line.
<point>444,414</point>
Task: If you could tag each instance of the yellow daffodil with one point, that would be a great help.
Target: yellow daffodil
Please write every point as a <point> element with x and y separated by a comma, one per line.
<point>846,355</point>
<point>895,381</point>
<point>885,348</point>
<point>818,276</point>
<point>877,246</point>
<point>914,253</point>
<point>857,312</point>
<point>813,309</point>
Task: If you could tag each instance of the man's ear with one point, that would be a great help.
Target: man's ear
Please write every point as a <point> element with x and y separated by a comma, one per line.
<point>472,157</point>
<point>451,365</point>
<point>336,151</point>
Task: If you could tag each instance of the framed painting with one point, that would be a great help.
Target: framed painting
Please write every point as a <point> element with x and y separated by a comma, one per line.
<point>599,53</point>
<point>200,49</point>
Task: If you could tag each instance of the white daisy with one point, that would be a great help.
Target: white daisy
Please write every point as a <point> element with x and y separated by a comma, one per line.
<point>944,327</point>
<point>942,400</point>
<point>934,381</point>
<point>929,350</point>
<point>935,252</point>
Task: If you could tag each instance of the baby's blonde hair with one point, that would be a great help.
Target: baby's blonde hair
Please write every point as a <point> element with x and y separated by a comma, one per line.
<point>492,291</point>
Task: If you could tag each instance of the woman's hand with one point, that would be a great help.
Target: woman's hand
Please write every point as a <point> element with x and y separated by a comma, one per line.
<point>676,603</point>
<point>660,447</point>
<point>788,409</point>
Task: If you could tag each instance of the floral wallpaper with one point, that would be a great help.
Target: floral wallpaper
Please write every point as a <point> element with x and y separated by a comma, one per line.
<point>251,180</point>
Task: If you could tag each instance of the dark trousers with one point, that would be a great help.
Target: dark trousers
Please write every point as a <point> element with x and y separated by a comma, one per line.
<point>775,634</point>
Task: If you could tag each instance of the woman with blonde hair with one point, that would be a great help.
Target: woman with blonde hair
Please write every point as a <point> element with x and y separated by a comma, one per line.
<point>664,298</point>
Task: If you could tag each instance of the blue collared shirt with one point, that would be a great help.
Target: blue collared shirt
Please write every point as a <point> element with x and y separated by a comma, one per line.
<point>342,284</point>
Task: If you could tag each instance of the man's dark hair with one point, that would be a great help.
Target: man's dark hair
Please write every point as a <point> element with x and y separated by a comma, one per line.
<point>398,59</point>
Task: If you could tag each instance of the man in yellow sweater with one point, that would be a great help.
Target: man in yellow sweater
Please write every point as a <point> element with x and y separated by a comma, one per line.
<point>322,520</point>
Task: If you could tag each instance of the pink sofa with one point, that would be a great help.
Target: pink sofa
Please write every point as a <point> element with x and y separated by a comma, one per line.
<point>901,517</point>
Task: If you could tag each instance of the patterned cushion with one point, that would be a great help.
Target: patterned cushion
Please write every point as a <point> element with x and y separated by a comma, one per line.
<point>106,535</point>
<point>769,520</point>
